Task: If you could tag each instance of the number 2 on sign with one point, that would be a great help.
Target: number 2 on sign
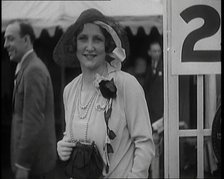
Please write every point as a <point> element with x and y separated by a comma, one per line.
<point>210,27</point>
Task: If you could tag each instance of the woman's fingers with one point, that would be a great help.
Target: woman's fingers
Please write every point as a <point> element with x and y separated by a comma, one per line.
<point>65,158</point>
<point>66,153</point>
<point>64,149</point>
<point>63,143</point>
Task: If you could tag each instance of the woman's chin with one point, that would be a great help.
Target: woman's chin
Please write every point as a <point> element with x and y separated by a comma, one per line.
<point>90,65</point>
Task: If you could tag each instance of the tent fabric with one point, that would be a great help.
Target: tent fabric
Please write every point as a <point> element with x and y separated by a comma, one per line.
<point>51,14</point>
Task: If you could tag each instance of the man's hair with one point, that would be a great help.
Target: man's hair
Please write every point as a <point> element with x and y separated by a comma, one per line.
<point>155,42</point>
<point>25,29</point>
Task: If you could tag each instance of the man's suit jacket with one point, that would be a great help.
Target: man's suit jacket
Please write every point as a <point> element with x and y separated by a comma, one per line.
<point>33,139</point>
<point>153,88</point>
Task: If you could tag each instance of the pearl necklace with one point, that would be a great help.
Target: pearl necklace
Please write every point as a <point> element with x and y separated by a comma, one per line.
<point>90,107</point>
<point>84,109</point>
<point>89,102</point>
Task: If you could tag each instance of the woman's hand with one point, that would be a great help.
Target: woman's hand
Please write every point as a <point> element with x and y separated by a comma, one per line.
<point>21,174</point>
<point>64,149</point>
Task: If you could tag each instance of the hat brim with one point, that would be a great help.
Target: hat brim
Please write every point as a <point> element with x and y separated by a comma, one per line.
<point>65,53</point>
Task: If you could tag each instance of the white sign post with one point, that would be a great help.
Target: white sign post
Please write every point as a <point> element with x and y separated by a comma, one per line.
<point>192,46</point>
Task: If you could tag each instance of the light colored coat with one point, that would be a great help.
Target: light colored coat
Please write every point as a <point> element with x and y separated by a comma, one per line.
<point>133,146</point>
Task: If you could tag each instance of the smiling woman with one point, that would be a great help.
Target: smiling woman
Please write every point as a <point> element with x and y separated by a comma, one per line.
<point>91,48</point>
<point>108,130</point>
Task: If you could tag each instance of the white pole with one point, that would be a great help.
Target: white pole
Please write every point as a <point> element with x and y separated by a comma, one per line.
<point>210,110</point>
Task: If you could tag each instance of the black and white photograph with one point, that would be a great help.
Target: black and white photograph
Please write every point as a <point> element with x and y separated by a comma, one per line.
<point>111,89</point>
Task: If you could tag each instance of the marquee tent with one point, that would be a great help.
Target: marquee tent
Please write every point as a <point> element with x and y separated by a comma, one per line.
<point>51,14</point>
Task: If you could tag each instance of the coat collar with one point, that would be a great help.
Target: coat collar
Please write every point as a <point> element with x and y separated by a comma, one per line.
<point>22,60</point>
<point>26,61</point>
<point>23,66</point>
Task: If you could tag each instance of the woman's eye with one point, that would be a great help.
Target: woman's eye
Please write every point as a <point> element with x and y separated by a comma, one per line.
<point>98,39</point>
<point>82,38</point>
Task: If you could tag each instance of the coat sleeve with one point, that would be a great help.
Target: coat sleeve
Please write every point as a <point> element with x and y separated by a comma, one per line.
<point>66,112</point>
<point>139,127</point>
<point>68,95</point>
<point>35,82</point>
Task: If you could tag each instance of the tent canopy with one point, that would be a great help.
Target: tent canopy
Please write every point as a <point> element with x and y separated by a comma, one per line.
<point>50,14</point>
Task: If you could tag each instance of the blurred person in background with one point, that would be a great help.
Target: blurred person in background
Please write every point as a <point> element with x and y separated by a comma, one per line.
<point>153,87</point>
<point>33,139</point>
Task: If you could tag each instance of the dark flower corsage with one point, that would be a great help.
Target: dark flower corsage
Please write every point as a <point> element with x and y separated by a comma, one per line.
<point>109,92</point>
<point>108,89</point>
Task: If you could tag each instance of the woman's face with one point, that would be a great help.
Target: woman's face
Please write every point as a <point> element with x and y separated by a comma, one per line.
<point>91,47</point>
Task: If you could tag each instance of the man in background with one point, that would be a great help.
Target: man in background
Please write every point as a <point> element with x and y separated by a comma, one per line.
<point>33,139</point>
<point>153,87</point>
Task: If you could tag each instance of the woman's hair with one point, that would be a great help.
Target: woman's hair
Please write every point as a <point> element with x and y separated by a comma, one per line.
<point>109,42</point>
<point>65,51</point>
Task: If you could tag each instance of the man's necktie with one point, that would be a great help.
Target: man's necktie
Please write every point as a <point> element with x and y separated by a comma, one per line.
<point>153,67</point>
<point>14,91</point>
<point>15,76</point>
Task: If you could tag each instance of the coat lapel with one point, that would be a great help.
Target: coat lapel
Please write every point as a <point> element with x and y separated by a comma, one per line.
<point>20,74</point>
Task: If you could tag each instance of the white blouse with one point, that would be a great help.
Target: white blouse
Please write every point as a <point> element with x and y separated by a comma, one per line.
<point>133,145</point>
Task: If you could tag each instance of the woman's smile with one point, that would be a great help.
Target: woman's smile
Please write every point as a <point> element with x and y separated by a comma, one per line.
<point>89,56</point>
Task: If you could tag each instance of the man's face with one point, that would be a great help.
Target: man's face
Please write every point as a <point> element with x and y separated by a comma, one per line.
<point>155,51</point>
<point>14,43</point>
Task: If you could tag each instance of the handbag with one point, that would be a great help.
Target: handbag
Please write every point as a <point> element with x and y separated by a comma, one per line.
<point>85,162</point>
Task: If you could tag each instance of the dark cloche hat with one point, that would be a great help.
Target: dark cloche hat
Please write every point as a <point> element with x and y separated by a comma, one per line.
<point>65,53</point>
